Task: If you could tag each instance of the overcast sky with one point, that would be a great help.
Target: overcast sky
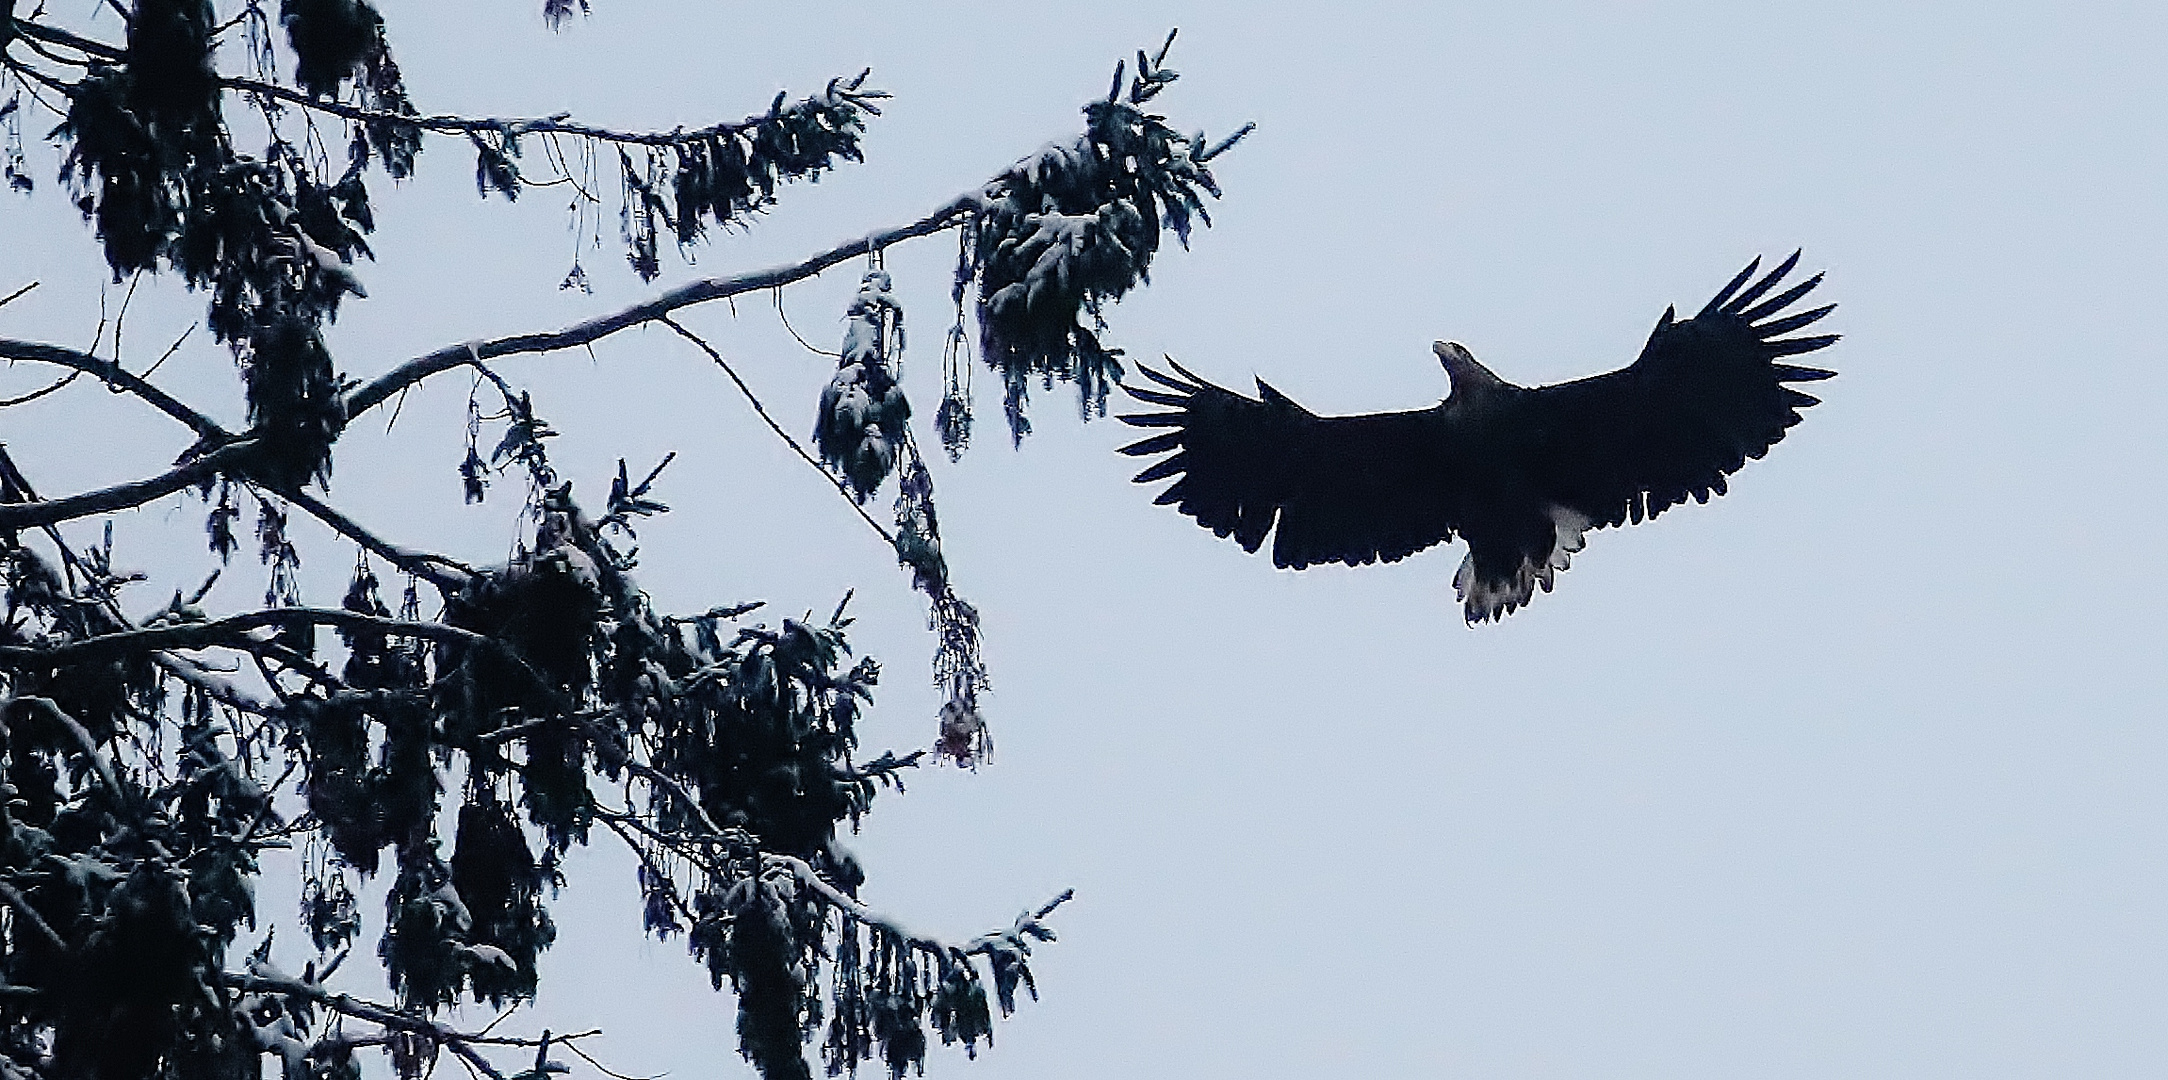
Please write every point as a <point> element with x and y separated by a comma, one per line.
<point>1856,771</point>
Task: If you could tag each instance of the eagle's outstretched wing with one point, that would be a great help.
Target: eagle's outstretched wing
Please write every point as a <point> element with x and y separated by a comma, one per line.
<point>1706,395</point>
<point>1521,474</point>
<point>1351,489</point>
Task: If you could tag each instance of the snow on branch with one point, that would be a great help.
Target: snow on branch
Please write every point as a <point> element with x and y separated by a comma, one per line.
<point>1075,227</point>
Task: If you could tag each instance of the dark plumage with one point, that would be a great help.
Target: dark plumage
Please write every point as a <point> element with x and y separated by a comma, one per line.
<point>1520,473</point>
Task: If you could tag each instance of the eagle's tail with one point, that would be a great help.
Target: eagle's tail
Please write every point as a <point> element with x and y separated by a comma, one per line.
<point>1492,587</point>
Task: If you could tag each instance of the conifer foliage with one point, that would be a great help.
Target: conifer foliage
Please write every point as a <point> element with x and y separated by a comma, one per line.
<point>451,735</point>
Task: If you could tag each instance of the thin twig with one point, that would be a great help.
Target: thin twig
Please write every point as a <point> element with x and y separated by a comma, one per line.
<point>778,428</point>
<point>600,1067</point>
<point>777,293</point>
<point>168,354</point>
<point>49,388</point>
<point>120,321</point>
<point>115,376</point>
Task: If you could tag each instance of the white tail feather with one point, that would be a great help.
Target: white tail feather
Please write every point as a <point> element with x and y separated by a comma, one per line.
<point>1484,598</point>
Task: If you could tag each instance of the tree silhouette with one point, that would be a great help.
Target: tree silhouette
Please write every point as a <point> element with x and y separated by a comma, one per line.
<point>475,721</point>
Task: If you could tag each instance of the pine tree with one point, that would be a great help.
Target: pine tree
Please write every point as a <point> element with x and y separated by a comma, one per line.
<point>459,730</point>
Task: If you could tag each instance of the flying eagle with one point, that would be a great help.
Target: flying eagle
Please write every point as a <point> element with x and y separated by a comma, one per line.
<point>1521,473</point>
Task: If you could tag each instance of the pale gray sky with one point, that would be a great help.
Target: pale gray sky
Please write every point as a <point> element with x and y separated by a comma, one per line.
<point>1857,771</point>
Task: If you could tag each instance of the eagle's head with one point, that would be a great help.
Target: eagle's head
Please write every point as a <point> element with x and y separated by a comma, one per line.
<point>1467,377</point>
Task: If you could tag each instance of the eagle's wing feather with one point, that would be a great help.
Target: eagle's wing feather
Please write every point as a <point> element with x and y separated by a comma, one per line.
<point>1349,489</point>
<point>1520,473</point>
<point>1706,395</point>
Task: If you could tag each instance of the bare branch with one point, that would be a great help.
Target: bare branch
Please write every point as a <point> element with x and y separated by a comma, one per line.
<point>368,396</point>
<point>446,574</point>
<point>49,388</point>
<point>115,376</point>
<point>123,496</point>
<point>52,35</point>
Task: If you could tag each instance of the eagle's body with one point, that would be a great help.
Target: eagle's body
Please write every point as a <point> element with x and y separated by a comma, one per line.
<point>1520,473</point>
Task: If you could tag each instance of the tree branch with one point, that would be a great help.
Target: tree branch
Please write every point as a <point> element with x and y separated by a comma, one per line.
<point>224,632</point>
<point>446,574</point>
<point>52,35</point>
<point>28,914</point>
<point>556,124</point>
<point>803,870</point>
<point>115,376</point>
<point>262,978</point>
<point>369,396</point>
<point>81,734</point>
<point>123,496</point>
<point>221,690</point>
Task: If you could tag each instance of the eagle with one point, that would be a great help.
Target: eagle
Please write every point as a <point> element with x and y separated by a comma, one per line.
<point>1521,473</point>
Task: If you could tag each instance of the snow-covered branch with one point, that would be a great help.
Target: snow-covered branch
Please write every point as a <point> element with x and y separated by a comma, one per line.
<point>262,978</point>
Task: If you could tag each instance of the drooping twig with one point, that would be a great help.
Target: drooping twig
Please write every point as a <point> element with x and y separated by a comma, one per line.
<point>775,427</point>
<point>784,318</point>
